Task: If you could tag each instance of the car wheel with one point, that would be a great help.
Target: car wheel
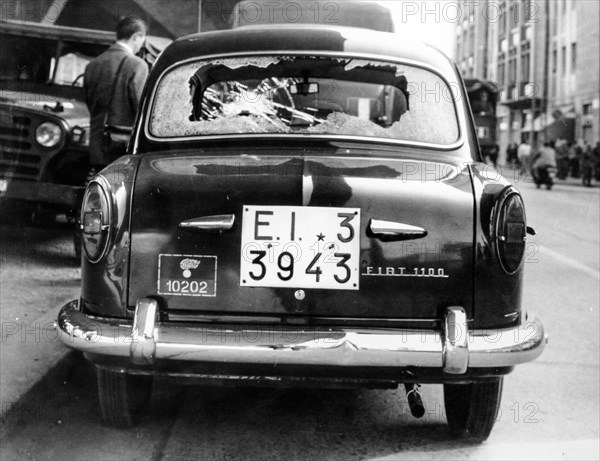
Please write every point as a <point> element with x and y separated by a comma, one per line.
<point>122,397</point>
<point>472,409</point>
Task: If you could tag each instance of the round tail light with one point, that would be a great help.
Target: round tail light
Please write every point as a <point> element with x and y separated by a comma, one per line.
<point>511,229</point>
<point>95,221</point>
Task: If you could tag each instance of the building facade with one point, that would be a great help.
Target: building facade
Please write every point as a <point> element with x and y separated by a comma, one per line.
<point>545,56</point>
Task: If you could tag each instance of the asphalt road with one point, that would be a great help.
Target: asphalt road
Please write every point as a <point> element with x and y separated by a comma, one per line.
<point>550,407</point>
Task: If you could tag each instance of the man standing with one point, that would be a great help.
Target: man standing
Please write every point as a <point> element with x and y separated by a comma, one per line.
<point>112,98</point>
<point>524,154</point>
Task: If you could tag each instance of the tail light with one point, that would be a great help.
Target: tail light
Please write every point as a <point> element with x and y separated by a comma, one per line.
<point>510,230</point>
<point>95,219</point>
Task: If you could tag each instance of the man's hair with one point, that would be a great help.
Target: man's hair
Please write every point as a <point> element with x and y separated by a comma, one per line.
<point>129,26</point>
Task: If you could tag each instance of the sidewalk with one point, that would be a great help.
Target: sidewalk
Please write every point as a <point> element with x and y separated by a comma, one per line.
<point>574,182</point>
<point>514,176</point>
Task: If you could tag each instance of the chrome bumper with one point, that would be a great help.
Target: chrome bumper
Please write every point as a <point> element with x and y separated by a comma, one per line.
<point>453,349</point>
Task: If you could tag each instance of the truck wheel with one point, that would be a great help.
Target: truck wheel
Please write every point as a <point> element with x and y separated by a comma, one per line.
<point>472,409</point>
<point>122,397</point>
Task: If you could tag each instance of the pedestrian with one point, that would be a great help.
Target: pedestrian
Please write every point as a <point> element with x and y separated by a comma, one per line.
<point>492,154</point>
<point>587,165</point>
<point>511,154</point>
<point>596,153</point>
<point>524,155</point>
<point>562,158</point>
<point>113,87</point>
<point>575,154</point>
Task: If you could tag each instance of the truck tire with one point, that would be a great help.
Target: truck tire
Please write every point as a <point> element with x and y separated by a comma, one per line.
<point>122,397</point>
<point>472,409</point>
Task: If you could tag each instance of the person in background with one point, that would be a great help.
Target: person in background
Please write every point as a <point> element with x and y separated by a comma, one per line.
<point>587,165</point>
<point>511,154</point>
<point>112,94</point>
<point>544,159</point>
<point>524,156</point>
<point>596,153</point>
<point>493,154</point>
<point>575,154</point>
<point>562,158</point>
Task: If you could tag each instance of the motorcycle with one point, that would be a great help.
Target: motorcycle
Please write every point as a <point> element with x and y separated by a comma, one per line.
<point>544,175</point>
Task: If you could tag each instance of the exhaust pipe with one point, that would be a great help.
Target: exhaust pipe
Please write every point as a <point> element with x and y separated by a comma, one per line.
<point>415,402</point>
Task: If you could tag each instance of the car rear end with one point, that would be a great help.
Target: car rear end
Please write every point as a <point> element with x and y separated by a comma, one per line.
<point>313,216</point>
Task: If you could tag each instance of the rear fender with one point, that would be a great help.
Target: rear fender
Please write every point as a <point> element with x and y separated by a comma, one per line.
<point>104,283</point>
<point>498,295</point>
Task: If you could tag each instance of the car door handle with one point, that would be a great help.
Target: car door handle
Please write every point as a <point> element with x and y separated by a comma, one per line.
<point>391,230</point>
<point>219,222</point>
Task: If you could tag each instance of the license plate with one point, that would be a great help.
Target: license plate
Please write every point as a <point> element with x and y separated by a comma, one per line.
<point>300,247</point>
<point>3,186</point>
<point>187,275</point>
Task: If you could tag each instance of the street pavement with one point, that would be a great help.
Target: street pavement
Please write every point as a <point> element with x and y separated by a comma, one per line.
<point>38,272</point>
<point>550,407</point>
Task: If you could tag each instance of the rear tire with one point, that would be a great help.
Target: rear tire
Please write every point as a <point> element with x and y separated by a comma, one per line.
<point>472,409</point>
<point>122,397</point>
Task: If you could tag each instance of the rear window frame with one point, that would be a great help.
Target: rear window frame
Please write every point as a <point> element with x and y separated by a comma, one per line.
<point>149,108</point>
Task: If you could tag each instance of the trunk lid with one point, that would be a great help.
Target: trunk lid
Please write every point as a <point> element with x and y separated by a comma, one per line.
<point>200,272</point>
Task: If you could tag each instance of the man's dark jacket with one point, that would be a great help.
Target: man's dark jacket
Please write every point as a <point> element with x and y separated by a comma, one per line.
<point>100,75</point>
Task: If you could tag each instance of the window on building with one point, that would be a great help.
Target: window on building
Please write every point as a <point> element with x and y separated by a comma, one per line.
<point>527,10</point>
<point>472,37</point>
<point>515,38</point>
<point>525,67</point>
<point>512,71</point>
<point>587,109</point>
<point>573,56</point>
<point>500,76</point>
<point>502,21</point>
<point>514,15</point>
<point>554,60</point>
<point>563,66</point>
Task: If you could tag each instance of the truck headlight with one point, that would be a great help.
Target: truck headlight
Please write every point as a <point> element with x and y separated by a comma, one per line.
<point>48,134</point>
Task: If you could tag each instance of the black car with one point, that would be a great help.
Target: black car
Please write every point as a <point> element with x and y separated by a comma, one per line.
<point>304,204</point>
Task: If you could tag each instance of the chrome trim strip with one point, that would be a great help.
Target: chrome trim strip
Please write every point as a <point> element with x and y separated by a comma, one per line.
<point>384,58</point>
<point>303,346</point>
<point>389,228</point>
<point>209,223</point>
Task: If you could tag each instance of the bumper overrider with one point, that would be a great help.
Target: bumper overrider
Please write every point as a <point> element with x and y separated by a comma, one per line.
<point>453,349</point>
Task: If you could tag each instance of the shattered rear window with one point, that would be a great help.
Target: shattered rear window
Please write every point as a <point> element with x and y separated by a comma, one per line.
<point>304,95</point>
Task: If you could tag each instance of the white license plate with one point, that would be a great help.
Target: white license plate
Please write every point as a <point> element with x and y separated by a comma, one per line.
<point>3,186</point>
<point>300,247</point>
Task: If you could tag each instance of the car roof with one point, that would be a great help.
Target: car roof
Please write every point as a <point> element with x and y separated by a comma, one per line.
<point>303,38</point>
